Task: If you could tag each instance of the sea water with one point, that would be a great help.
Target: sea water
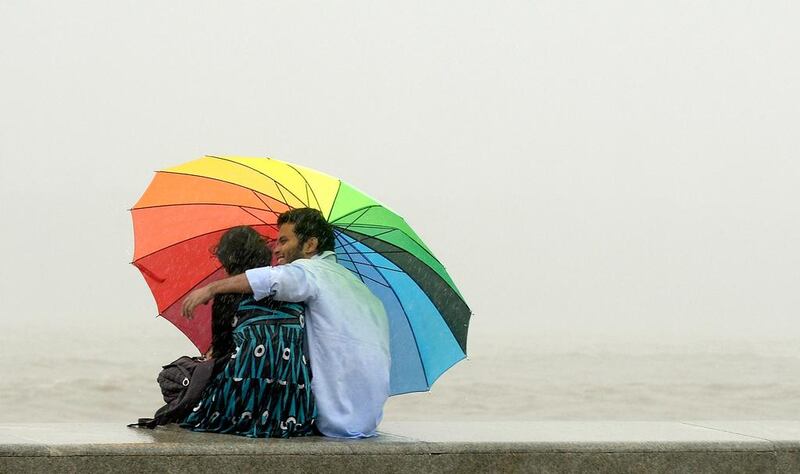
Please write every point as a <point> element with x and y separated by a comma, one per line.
<point>95,372</point>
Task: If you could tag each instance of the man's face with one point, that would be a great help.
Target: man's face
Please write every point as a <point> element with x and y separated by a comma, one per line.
<point>287,248</point>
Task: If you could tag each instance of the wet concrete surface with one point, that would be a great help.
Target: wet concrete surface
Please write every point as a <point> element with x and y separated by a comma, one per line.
<point>548,446</point>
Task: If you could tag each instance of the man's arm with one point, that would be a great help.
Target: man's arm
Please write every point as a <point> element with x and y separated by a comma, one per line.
<point>289,282</point>
<point>234,284</point>
<point>292,282</point>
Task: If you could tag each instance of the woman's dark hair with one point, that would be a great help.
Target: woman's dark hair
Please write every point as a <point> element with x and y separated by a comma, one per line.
<point>242,248</point>
<point>309,223</point>
<point>239,249</point>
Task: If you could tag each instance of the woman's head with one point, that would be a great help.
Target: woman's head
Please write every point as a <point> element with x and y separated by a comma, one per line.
<point>242,248</point>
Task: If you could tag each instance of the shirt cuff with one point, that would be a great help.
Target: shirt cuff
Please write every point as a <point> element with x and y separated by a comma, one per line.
<point>260,280</point>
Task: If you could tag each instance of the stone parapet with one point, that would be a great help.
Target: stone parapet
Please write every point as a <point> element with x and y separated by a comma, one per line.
<point>463,447</point>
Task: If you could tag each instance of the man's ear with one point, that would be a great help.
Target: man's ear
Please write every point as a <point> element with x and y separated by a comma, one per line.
<point>311,246</point>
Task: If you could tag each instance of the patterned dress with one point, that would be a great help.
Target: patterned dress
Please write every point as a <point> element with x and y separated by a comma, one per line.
<point>265,388</point>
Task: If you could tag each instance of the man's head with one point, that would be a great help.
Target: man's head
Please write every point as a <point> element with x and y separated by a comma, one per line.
<point>302,233</point>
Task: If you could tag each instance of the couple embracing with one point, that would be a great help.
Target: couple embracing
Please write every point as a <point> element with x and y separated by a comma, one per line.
<point>309,347</point>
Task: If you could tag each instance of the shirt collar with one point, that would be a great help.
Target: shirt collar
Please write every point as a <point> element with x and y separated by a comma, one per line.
<point>326,255</point>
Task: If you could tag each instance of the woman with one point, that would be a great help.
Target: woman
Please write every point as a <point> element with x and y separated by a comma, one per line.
<point>264,390</point>
<point>239,249</point>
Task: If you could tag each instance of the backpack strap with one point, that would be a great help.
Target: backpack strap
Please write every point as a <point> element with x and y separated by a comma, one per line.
<point>150,423</point>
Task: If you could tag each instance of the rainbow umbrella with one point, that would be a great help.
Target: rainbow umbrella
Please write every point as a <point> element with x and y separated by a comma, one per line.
<point>186,209</point>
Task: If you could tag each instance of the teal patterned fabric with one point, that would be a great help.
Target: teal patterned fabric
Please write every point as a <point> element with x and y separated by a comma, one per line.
<point>265,388</point>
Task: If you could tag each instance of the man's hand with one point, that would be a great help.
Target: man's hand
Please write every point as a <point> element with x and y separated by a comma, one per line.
<point>194,299</point>
<point>234,284</point>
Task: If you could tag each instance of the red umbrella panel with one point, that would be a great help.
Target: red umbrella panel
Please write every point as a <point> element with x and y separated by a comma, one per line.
<point>174,243</point>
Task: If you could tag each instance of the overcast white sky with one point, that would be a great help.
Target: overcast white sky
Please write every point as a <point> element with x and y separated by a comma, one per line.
<point>585,170</point>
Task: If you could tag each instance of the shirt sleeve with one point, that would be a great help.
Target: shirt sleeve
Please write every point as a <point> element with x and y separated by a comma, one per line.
<point>290,282</point>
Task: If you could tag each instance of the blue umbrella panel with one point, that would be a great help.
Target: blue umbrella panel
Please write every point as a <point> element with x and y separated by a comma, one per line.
<point>427,319</point>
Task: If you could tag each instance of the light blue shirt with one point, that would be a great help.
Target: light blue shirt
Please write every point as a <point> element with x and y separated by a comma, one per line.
<point>348,340</point>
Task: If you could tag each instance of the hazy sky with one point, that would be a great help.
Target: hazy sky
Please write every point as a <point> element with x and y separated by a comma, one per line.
<point>585,170</point>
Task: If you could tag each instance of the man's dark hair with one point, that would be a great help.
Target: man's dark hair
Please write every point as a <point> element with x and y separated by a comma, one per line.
<point>309,223</point>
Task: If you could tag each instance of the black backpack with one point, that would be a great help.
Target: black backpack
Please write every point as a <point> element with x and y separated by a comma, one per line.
<point>182,383</point>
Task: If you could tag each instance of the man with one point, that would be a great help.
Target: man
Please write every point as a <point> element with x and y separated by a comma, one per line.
<point>346,325</point>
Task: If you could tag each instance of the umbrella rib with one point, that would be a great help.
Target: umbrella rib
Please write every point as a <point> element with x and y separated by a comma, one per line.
<point>190,289</point>
<point>335,197</point>
<point>271,210</point>
<point>386,284</point>
<point>308,186</point>
<point>371,251</point>
<point>160,206</point>
<point>402,307</point>
<point>258,195</point>
<point>361,240</point>
<point>262,220</point>
<point>183,241</point>
<point>392,252</point>
<point>278,184</point>
<point>374,226</point>
<point>396,230</point>
<point>383,252</point>
<point>429,389</point>
<point>367,208</point>
<point>452,365</point>
<point>393,229</point>
<point>364,277</point>
<point>219,181</point>
<point>371,265</point>
<point>390,229</point>
<point>360,276</point>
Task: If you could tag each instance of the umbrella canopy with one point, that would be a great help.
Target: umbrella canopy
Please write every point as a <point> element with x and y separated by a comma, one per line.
<point>186,209</point>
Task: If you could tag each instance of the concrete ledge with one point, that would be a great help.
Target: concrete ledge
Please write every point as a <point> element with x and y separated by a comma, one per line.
<point>546,447</point>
